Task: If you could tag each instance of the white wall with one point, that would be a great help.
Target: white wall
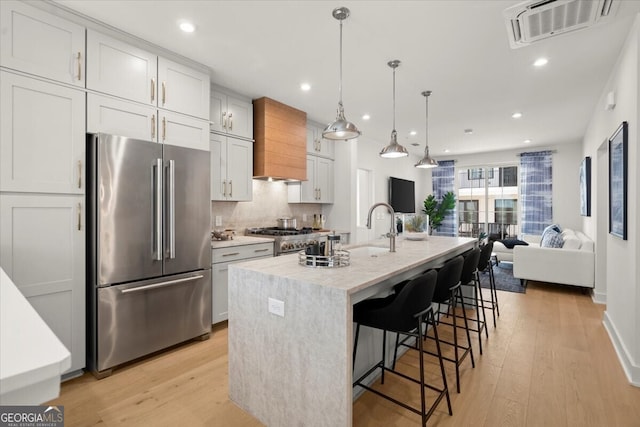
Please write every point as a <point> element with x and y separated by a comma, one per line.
<point>618,257</point>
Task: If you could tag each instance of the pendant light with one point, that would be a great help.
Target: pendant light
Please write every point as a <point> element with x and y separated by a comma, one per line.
<point>427,161</point>
<point>394,150</point>
<point>341,128</point>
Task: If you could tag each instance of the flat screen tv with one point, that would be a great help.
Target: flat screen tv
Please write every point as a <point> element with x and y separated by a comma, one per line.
<point>402,195</point>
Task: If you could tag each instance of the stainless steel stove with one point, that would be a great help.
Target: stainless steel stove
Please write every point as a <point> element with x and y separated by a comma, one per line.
<point>289,240</point>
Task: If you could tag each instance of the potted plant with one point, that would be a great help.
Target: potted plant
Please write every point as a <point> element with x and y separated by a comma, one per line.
<point>437,211</point>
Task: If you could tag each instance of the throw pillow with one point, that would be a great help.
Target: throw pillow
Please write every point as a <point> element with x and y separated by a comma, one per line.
<point>552,239</point>
<point>552,227</point>
<point>510,243</point>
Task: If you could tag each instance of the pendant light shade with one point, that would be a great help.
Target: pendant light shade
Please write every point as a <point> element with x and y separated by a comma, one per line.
<point>394,150</point>
<point>427,161</point>
<point>341,128</point>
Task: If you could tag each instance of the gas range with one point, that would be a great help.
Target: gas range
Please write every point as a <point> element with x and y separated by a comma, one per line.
<point>289,240</point>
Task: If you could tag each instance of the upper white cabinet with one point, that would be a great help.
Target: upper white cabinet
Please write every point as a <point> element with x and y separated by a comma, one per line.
<point>316,144</point>
<point>126,71</point>
<point>231,114</point>
<point>231,168</point>
<point>117,117</point>
<point>318,188</point>
<point>39,43</point>
<point>183,131</point>
<point>42,136</point>
<point>182,89</point>
<point>120,69</point>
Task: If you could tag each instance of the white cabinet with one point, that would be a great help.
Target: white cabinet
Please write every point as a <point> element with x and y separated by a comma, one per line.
<point>36,42</point>
<point>123,118</point>
<point>183,89</point>
<point>42,249</point>
<point>231,168</point>
<point>222,258</point>
<point>319,185</point>
<point>126,71</point>
<point>122,70</point>
<point>183,131</point>
<point>231,115</point>
<point>42,136</point>
<point>316,144</point>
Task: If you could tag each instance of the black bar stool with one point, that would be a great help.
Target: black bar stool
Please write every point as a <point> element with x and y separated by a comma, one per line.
<point>448,291</point>
<point>485,265</point>
<point>468,279</point>
<point>404,313</point>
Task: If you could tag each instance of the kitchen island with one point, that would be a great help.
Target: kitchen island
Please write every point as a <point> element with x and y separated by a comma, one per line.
<point>290,327</point>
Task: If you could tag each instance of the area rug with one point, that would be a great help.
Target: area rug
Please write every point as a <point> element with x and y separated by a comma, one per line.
<point>505,281</point>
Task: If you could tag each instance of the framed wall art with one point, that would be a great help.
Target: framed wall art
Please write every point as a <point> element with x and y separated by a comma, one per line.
<point>618,185</point>
<point>585,187</point>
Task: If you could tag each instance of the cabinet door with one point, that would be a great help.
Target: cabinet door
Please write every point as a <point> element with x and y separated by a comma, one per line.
<point>182,89</point>
<point>117,117</point>
<point>219,292</point>
<point>42,136</point>
<point>42,249</point>
<point>240,169</point>
<point>239,117</point>
<point>184,131</point>
<point>308,193</point>
<point>324,179</point>
<point>217,105</point>
<point>312,145</point>
<point>218,147</point>
<point>325,146</point>
<point>122,70</point>
<point>39,43</point>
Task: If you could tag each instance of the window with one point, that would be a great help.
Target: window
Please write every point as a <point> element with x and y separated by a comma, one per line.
<point>468,218</point>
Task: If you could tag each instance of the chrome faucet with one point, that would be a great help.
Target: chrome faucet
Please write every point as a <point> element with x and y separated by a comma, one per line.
<point>392,231</point>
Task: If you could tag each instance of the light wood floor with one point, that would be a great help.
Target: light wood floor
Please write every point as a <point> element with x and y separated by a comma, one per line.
<point>548,363</point>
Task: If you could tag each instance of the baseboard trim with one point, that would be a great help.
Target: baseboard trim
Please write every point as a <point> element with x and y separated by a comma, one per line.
<point>632,372</point>
<point>599,297</point>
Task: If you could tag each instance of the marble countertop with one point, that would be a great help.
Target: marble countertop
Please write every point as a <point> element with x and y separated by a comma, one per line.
<point>32,358</point>
<point>239,241</point>
<point>370,263</point>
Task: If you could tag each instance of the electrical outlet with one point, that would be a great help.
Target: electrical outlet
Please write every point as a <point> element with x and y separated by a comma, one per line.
<point>276,307</point>
<point>218,221</point>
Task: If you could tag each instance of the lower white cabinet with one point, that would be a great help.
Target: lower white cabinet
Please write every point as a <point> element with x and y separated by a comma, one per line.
<point>42,249</point>
<point>318,188</point>
<point>222,258</point>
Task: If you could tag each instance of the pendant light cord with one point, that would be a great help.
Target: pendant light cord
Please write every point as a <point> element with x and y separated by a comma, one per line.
<point>426,125</point>
<point>394,98</point>
<point>340,85</point>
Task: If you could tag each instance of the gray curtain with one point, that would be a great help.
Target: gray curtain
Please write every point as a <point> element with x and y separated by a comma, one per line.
<point>443,178</point>
<point>536,191</point>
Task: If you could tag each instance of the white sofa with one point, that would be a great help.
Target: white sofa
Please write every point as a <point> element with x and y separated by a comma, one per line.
<point>572,264</point>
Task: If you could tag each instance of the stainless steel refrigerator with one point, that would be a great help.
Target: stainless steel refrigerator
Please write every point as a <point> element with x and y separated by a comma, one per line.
<point>148,248</point>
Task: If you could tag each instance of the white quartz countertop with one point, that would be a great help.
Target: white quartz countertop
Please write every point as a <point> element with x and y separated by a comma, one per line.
<point>239,241</point>
<point>370,263</point>
<point>32,358</point>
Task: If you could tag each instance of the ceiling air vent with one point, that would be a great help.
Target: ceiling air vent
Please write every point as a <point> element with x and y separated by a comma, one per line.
<point>531,21</point>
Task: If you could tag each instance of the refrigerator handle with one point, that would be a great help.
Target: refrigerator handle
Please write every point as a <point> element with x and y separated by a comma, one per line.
<point>172,209</point>
<point>158,179</point>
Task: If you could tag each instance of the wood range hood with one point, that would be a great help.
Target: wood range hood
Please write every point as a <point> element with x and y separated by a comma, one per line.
<point>280,149</point>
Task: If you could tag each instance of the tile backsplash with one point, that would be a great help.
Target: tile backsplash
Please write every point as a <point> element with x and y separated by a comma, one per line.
<point>269,203</point>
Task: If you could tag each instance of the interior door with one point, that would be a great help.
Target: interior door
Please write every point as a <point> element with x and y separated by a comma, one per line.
<point>187,209</point>
<point>129,192</point>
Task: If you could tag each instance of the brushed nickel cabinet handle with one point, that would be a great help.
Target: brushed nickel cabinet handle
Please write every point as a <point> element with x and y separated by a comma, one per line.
<point>153,126</point>
<point>230,188</point>
<point>224,119</point>
<point>164,128</point>
<point>79,66</point>
<point>153,89</point>
<point>79,216</point>
<point>260,250</point>
<point>164,93</point>
<point>319,193</point>
<point>224,188</point>
<point>230,121</point>
<point>231,254</point>
<point>79,173</point>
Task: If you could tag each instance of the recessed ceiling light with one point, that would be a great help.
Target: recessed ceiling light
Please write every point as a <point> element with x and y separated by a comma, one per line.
<point>540,62</point>
<point>187,27</point>
<point>516,115</point>
<point>305,87</point>
<point>468,131</point>
<point>446,150</point>
<point>413,133</point>
<point>366,117</point>
<point>527,141</point>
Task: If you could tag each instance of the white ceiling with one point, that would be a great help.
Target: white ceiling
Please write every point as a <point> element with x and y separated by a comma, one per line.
<point>457,49</point>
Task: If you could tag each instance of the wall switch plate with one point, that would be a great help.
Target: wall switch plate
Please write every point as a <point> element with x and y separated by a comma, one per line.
<point>218,221</point>
<point>276,307</point>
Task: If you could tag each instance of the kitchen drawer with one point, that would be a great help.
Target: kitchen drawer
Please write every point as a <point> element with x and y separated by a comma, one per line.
<point>237,253</point>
